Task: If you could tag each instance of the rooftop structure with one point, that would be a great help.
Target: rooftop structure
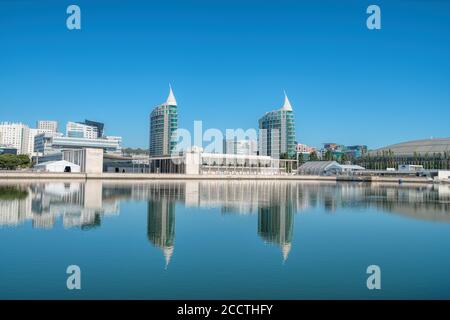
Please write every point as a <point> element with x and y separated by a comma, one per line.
<point>410,148</point>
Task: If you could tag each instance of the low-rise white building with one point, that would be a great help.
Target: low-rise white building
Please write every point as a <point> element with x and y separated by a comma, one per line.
<point>57,166</point>
<point>195,161</point>
<point>410,168</point>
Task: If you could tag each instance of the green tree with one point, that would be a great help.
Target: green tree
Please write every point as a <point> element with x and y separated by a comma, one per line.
<point>300,158</point>
<point>328,155</point>
<point>313,156</point>
<point>344,158</point>
<point>13,162</point>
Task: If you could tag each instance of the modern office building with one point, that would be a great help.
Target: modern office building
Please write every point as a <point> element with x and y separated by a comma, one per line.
<point>47,126</point>
<point>81,130</point>
<point>163,126</point>
<point>277,132</point>
<point>47,143</point>
<point>100,127</point>
<point>6,150</point>
<point>244,147</point>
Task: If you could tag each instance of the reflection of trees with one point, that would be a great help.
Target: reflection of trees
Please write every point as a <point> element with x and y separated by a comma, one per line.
<point>12,193</point>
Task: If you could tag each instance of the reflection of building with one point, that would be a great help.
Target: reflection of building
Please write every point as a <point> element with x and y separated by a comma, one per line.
<point>276,224</point>
<point>78,204</point>
<point>161,225</point>
<point>163,126</point>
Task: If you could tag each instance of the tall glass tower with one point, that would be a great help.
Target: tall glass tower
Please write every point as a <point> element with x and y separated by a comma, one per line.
<point>163,126</point>
<point>277,132</point>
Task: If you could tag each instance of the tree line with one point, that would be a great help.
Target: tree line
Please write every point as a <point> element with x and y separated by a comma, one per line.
<point>14,162</point>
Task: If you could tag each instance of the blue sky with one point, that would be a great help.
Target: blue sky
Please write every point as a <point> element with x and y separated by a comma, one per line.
<point>229,62</point>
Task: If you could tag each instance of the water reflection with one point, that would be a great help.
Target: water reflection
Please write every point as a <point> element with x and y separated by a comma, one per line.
<point>85,204</point>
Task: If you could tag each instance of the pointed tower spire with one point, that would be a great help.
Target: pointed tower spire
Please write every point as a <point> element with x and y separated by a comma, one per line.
<point>171,101</point>
<point>285,249</point>
<point>287,105</point>
<point>168,252</point>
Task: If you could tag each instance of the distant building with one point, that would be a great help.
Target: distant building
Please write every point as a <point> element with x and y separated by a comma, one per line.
<point>163,126</point>
<point>415,148</point>
<point>116,139</point>
<point>303,148</point>
<point>277,132</point>
<point>338,150</point>
<point>356,151</point>
<point>6,150</point>
<point>98,125</point>
<point>430,153</point>
<point>46,143</point>
<point>14,135</point>
<point>81,130</point>
<point>47,126</point>
<point>234,146</point>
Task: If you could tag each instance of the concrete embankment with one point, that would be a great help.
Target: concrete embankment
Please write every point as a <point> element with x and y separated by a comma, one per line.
<point>148,176</point>
<point>16,175</point>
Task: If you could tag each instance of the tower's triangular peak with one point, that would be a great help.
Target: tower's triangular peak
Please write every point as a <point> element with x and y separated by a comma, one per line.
<point>171,101</point>
<point>285,249</point>
<point>287,105</point>
<point>168,252</point>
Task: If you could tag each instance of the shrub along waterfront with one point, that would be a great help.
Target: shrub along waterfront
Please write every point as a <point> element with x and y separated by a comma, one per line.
<point>14,162</point>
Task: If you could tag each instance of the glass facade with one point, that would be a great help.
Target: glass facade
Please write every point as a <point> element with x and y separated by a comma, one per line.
<point>163,126</point>
<point>277,133</point>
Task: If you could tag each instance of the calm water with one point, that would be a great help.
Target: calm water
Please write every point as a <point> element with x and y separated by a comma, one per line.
<point>273,240</point>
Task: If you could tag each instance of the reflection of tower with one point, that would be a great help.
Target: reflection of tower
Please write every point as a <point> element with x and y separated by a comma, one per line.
<point>161,225</point>
<point>276,225</point>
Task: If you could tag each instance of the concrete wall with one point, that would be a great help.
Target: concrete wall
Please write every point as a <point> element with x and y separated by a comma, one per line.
<point>443,175</point>
<point>192,162</point>
<point>93,160</point>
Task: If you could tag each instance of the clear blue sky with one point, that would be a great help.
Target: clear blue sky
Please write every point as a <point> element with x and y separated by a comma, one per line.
<point>229,62</point>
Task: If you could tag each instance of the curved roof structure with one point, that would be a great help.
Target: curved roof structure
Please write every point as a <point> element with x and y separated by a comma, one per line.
<point>430,146</point>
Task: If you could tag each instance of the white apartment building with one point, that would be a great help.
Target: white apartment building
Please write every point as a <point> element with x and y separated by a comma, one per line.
<point>14,135</point>
<point>47,126</point>
<point>80,130</point>
<point>21,137</point>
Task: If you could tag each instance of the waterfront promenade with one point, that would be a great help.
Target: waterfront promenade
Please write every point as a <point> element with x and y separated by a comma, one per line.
<point>24,175</point>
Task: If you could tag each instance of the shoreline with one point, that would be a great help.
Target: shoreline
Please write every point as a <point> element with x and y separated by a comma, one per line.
<point>152,176</point>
